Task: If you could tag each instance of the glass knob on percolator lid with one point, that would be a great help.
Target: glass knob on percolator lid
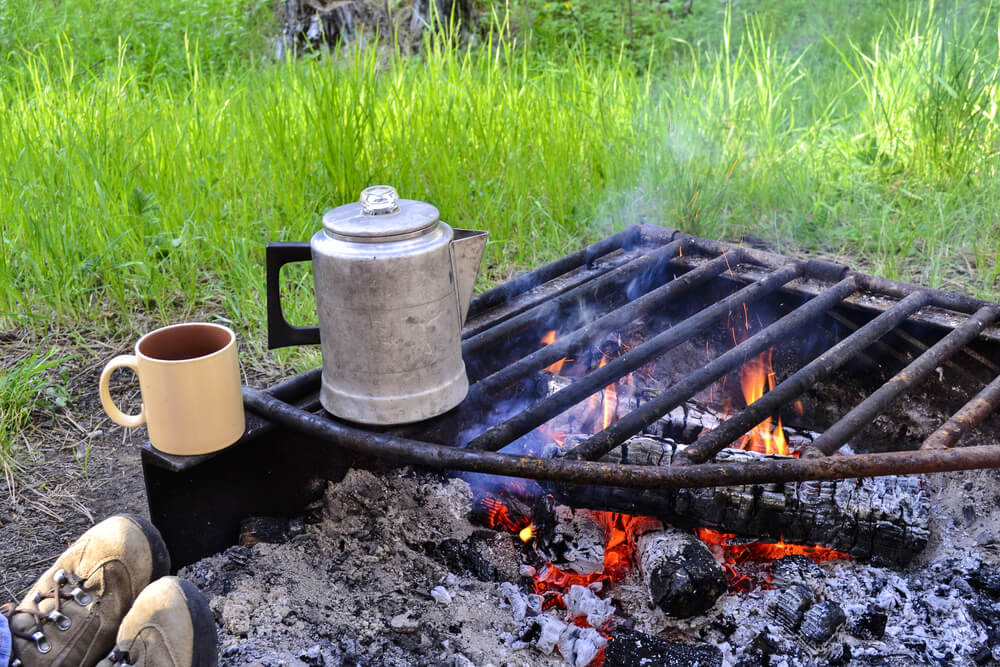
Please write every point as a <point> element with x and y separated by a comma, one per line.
<point>379,200</point>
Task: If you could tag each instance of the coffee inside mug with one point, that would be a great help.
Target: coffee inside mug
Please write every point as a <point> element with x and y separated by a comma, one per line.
<point>189,377</point>
<point>184,342</point>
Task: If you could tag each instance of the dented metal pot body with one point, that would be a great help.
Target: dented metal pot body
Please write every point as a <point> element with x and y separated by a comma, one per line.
<point>392,285</point>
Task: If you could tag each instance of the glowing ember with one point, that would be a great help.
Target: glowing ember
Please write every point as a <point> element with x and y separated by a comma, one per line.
<point>526,533</point>
<point>498,516</point>
<point>756,376</point>
<point>732,554</point>
<point>550,582</point>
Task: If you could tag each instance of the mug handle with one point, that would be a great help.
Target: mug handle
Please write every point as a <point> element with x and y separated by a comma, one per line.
<point>117,416</point>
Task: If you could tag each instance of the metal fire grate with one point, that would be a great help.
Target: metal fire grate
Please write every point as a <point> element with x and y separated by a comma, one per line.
<point>193,498</point>
<point>645,248</point>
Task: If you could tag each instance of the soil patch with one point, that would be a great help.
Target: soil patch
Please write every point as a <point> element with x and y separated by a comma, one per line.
<point>77,467</point>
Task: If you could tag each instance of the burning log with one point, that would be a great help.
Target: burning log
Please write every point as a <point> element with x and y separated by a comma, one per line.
<point>881,518</point>
<point>681,575</point>
<point>683,424</point>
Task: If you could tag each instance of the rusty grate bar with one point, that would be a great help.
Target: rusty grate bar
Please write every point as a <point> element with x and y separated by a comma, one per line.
<point>573,342</point>
<point>601,443</point>
<point>862,414</point>
<point>970,415</point>
<point>788,390</point>
<point>503,434</point>
<point>413,452</point>
<point>502,293</point>
<point>549,309</point>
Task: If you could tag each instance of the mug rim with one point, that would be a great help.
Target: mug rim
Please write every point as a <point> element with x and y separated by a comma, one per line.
<point>229,343</point>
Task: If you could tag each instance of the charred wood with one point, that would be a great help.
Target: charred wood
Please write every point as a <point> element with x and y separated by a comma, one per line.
<point>821,621</point>
<point>628,648</point>
<point>269,529</point>
<point>680,573</point>
<point>881,518</point>
<point>791,606</point>
<point>796,569</point>
<point>570,539</point>
<point>314,25</point>
<point>683,424</point>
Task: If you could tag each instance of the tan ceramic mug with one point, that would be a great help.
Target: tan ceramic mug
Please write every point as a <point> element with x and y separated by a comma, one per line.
<point>189,376</point>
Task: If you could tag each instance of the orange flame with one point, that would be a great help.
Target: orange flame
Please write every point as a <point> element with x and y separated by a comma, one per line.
<point>548,339</point>
<point>755,376</point>
<point>550,582</point>
<point>609,406</point>
<point>498,516</point>
<point>733,554</point>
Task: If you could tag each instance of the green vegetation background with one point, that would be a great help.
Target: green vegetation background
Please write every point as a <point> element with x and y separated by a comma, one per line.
<point>148,151</point>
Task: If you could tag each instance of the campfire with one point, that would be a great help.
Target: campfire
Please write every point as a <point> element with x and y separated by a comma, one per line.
<point>690,449</point>
<point>595,549</point>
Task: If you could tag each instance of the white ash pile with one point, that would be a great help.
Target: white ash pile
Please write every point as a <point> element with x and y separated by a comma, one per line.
<point>390,571</point>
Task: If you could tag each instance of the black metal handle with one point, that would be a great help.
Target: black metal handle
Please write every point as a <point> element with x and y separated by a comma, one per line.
<point>279,332</point>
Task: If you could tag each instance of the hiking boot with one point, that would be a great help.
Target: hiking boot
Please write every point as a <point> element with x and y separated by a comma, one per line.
<point>170,625</point>
<point>69,617</point>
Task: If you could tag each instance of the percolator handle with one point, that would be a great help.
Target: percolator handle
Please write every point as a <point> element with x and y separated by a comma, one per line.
<point>279,332</point>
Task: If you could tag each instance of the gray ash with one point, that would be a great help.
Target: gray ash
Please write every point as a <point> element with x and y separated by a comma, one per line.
<point>395,573</point>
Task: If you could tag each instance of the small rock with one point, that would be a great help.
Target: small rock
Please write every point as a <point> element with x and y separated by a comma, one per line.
<point>312,656</point>
<point>869,625</point>
<point>441,595</point>
<point>403,623</point>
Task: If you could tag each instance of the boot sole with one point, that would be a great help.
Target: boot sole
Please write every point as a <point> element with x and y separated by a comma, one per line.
<point>157,547</point>
<point>204,653</point>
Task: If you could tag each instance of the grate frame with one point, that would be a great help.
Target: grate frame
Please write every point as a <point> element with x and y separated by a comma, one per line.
<point>828,284</point>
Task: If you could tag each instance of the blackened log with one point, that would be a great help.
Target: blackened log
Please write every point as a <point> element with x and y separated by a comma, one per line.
<point>309,25</point>
<point>269,529</point>
<point>628,648</point>
<point>791,605</point>
<point>681,575</point>
<point>796,569</point>
<point>884,519</point>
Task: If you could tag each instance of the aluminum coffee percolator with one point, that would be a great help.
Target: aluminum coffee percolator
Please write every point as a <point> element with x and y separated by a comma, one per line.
<point>393,285</point>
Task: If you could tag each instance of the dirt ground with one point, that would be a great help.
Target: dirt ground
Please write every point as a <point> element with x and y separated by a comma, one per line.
<point>78,466</point>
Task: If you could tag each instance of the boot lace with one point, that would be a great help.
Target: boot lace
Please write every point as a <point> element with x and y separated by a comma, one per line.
<point>67,587</point>
<point>119,658</point>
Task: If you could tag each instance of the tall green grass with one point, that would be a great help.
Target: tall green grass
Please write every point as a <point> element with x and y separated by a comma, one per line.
<point>229,33</point>
<point>22,386</point>
<point>123,192</point>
